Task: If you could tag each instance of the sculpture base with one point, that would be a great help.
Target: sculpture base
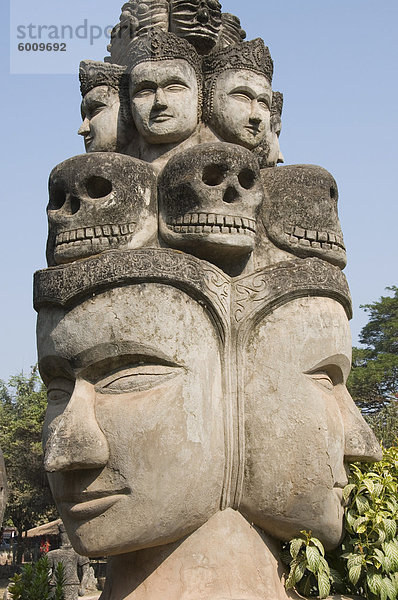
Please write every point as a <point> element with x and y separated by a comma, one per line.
<point>226,559</point>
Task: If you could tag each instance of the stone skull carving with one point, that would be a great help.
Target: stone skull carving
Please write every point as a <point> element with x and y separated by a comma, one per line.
<point>98,202</point>
<point>208,201</point>
<point>300,212</point>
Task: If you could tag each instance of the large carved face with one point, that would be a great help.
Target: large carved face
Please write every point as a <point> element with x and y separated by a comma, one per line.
<point>102,127</point>
<point>241,107</point>
<point>198,21</point>
<point>164,100</point>
<point>300,212</point>
<point>133,435</point>
<point>98,202</point>
<point>208,200</point>
<point>302,426</point>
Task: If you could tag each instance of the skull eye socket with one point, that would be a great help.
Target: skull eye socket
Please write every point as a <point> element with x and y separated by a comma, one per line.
<point>57,199</point>
<point>213,175</point>
<point>98,187</point>
<point>247,178</point>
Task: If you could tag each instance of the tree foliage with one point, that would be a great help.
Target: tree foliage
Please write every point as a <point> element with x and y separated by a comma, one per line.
<point>22,409</point>
<point>35,582</point>
<point>373,382</point>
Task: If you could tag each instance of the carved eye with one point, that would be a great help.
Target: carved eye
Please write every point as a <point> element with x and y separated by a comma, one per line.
<point>98,187</point>
<point>137,378</point>
<point>213,175</point>
<point>57,199</point>
<point>323,379</point>
<point>247,178</point>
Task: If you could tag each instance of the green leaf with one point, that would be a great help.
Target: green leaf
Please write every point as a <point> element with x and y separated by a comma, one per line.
<point>323,584</point>
<point>347,490</point>
<point>354,574</point>
<point>374,581</point>
<point>362,504</point>
<point>390,527</point>
<point>368,483</point>
<point>391,551</point>
<point>390,588</point>
<point>313,558</point>
<point>295,546</point>
<point>318,544</point>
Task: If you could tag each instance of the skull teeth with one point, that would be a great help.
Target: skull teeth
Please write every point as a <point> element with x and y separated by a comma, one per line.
<point>99,233</point>
<point>211,223</point>
<point>315,239</point>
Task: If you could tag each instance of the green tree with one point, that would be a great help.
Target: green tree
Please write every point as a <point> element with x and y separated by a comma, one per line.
<point>22,409</point>
<point>373,382</point>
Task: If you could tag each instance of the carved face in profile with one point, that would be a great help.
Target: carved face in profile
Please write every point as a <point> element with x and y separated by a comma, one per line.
<point>99,202</point>
<point>103,129</point>
<point>164,100</point>
<point>302,426</point>
<point>208,201</point>
<point>241,107</point>
<point>198,21</point>
<point>133,435</point>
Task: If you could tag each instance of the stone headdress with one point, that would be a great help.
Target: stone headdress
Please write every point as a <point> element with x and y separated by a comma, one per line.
<point>277,105</point>
<point>94,73</point>
<point>252,56</point>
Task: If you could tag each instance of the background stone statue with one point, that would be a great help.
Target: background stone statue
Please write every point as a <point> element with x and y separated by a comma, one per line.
<point>193,321</point>
<point>71,561</point>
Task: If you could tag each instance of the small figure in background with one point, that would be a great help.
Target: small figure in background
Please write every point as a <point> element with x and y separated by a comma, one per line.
<point>71,561</point>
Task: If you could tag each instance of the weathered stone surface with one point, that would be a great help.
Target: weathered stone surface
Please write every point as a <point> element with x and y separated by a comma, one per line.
<point>97,202</point>
<point>193,323</point>
<point>208,202</point>
<point>301,204</point>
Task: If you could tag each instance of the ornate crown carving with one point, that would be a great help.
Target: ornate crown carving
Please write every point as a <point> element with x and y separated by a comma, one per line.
<point>160,45</point>
<point>137,19</point>
<point>253,56</point>
<point>94,73</point>
<point>277,104</point>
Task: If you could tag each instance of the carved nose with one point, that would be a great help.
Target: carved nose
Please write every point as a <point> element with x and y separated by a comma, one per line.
<point>203,15</point>
<point>84,128</point>
<point>76,440</point>
<point>360,442</point>
<point>160,99</point>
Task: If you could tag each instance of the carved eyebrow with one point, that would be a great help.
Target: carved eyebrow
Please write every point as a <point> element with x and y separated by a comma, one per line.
<point>88,106</point>
<point>341,362</point>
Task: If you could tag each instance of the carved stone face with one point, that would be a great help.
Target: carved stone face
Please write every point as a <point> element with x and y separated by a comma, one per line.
<point>102,128</point>
<point>300,212</point>
<point>198,21</point>
<point>131,409</point>
<point>98,202</point>
<point>241,107</point>
<point>208,199</point>
<point>275,155</point>
<point>164,100</point>
<point>302,426</point>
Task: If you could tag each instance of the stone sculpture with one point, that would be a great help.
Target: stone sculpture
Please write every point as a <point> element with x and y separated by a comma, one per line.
<point>72,562</point>
<point>193,323</point>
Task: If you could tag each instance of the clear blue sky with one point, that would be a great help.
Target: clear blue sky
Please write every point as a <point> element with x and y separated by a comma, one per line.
<point>336,63</point>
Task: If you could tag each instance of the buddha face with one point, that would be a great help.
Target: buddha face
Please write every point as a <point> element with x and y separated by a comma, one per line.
<point>302,427</point>
<point>241,107</point>
<point>164,100</point>
<point>101,129</point>
<point>133,433</point>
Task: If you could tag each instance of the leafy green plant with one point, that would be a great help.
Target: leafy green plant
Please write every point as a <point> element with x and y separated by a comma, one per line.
<point>34,582</point>
<point>366,562</point>
<point>309,571</point>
